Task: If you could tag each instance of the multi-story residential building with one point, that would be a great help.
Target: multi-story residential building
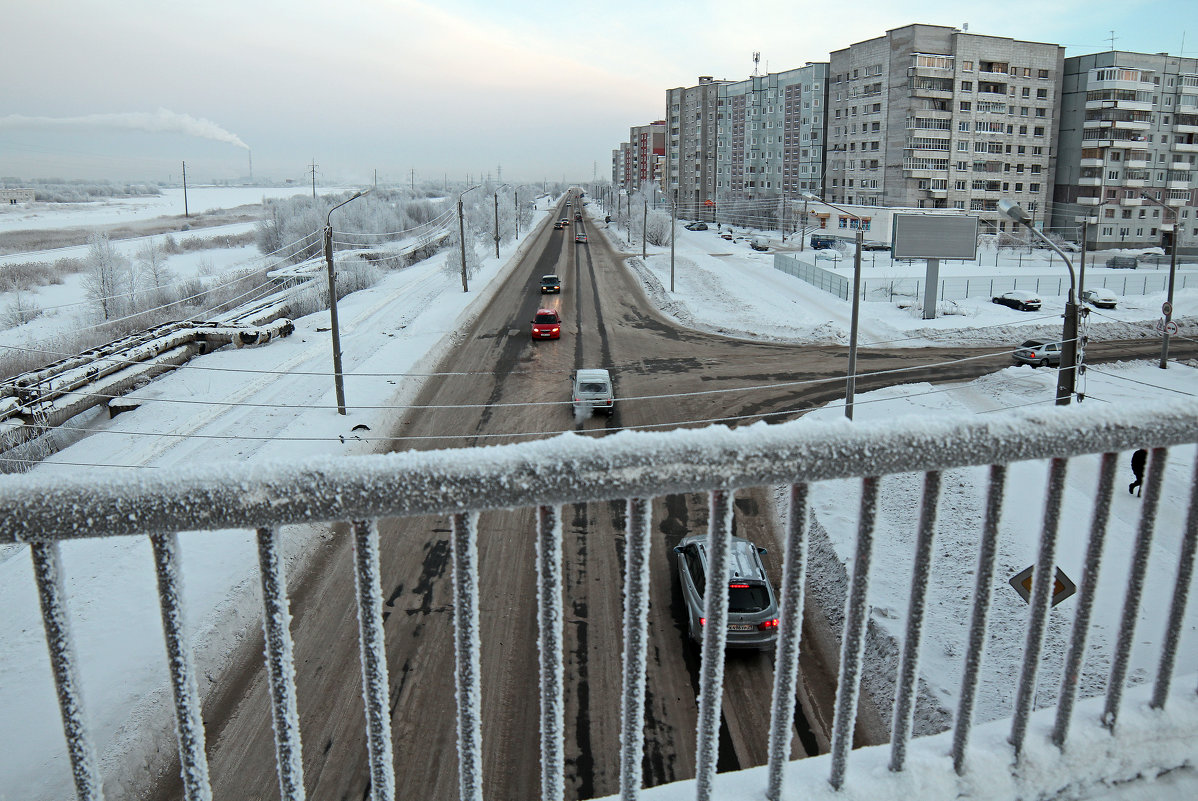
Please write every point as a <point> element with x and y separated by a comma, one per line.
<point>929,116</point>
<point>617,167</point>
<point>691,142</point>
<point>770,134</point>
<point>1129,128</point>
<point>646,144</point>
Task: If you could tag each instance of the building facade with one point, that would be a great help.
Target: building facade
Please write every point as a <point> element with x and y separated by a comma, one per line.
<point>932,117</point>
<point>770,134</point>
<point>1129,149</point>
<point>690,157</point>
<point>647,144</point>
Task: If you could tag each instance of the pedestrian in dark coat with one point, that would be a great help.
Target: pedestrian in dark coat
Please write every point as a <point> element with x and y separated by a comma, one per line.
<point>1138,460</point>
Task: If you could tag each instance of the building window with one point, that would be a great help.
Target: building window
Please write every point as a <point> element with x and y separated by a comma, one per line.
<point>965,105</point>
<point>1038,130</point>
<point>966,86</point>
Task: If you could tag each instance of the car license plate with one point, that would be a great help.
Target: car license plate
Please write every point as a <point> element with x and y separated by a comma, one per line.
<point>741,627</point>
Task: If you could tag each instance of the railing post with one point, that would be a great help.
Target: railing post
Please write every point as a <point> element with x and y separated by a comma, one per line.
<point>1043,578</point>
<point>372,648</point>
<point>908,678</point>
<point>636,624</point>
<point>47,571</point>
<point>790,628</point>
<point>1085,602</point>
<point>982,595</point>
<point>852,649</point>
<point>1135,589</point>
<point>715,635</point>
<point>466,648</point>
<point>189,725</point>
<point>276,622</point>
<point>1177,606</point>
<point>549,622</point>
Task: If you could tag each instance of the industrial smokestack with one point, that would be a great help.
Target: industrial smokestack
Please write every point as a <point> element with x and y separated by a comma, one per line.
<point>250,154</point>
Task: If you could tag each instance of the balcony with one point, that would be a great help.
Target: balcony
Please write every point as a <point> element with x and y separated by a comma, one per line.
<point>1186,147</point>
<point>1136,164</point>
<point>1177,184</point>
<point>1181,166</point>
<point>1131,201</point>
<point>1126,105</point>
<point>1091,181</point>
<point>1089,201</point>
<point>1093,162</point>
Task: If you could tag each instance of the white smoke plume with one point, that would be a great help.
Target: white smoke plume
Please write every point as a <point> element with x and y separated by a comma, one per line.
<point>160,121</point>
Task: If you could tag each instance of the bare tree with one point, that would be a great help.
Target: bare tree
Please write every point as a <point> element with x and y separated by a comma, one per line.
<point>109,276</point>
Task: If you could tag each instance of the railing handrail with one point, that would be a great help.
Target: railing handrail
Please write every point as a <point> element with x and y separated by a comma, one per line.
<point>567,469</point>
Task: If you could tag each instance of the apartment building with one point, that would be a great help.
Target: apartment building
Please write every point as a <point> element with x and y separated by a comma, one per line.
<point>1129,149</point>
<point>770,132</point>
<point>647,144</point>
<point>690,157</point>
<point>933,117</point>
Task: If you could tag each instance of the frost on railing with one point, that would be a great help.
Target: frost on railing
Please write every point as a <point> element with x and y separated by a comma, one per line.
<point>636,468</point>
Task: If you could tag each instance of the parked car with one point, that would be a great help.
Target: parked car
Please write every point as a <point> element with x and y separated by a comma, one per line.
<point>546,324</point>
<point>726,235</point>
<point>819,241</point>
<point>551,284</point>
<point>752,605</point>
<point>591,389</point>
<point>759,243</point>
<point>1019,299</point>
<point>696,226</point>
<point>1099,297</point>
<point>1037,353</point>
<point>875,246</point>
<point>580,237</point>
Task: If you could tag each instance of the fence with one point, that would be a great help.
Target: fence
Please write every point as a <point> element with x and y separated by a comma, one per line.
<point>887,289</point>
<point>825,280</point>
<point>46,511</point>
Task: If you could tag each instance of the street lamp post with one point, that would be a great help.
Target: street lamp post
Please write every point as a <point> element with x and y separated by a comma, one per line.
<point>462,238</point>
<point>851,385</point>
<point>338,383</point>
<point>497,219</point>
<point>1067,372</point>
<point>1172,273</point>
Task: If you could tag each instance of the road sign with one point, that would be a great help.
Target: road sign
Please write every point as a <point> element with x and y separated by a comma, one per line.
<point>1062,588</point>
<point>1171,328</point>
<point>709,202</point>
<point>1160,324</point>
<point>1166,308</point>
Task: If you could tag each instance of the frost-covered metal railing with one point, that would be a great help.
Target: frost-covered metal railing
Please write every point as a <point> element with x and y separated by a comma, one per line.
<point>46,511</point>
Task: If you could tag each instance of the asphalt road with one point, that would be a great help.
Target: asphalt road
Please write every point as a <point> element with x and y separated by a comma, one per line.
<point>607,323</point>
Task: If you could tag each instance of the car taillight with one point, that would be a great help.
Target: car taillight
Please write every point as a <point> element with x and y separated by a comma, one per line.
<point>766,625</point>
<point>738,586</point>
<point>702,621</point>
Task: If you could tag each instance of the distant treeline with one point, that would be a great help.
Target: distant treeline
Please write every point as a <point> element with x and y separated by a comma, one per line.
<point>60,190</point>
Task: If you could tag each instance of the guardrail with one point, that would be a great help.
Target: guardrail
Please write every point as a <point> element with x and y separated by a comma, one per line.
<point>48,511</point>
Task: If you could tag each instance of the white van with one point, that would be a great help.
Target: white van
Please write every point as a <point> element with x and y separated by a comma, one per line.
<point>592,390</point>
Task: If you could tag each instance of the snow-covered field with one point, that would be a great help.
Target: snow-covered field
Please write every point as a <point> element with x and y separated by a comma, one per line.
<point>403,326</point>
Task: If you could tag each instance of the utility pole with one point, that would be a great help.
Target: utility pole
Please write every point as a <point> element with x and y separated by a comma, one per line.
<point>803,227</point>
<point>516,206</point>
<point>412,173</point>
<point>497,223</point>
<point>462,238</point>
<point>312,167</point>
<point>185,214</point>
<point>338,383</point>
<point>644,226</point>
<point>673,233</point>
<point>1081,273</point>
<point>376,179</point>
<point>783,219</point>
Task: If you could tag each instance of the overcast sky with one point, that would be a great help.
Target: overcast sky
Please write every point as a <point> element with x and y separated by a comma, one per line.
<point>537,89</point>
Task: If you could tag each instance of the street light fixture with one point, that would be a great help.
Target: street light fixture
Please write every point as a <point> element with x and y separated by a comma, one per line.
<point>462,237</point>
<point>852,380</point>
<point>1067,372</point>
<point>1172,272</point>
<point>338,383</point>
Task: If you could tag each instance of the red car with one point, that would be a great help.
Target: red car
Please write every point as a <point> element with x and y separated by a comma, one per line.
<point>546,324</point>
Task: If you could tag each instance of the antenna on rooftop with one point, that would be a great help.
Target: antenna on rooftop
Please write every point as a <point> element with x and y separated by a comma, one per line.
<point>965,27</point>
<point>756,61</point>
